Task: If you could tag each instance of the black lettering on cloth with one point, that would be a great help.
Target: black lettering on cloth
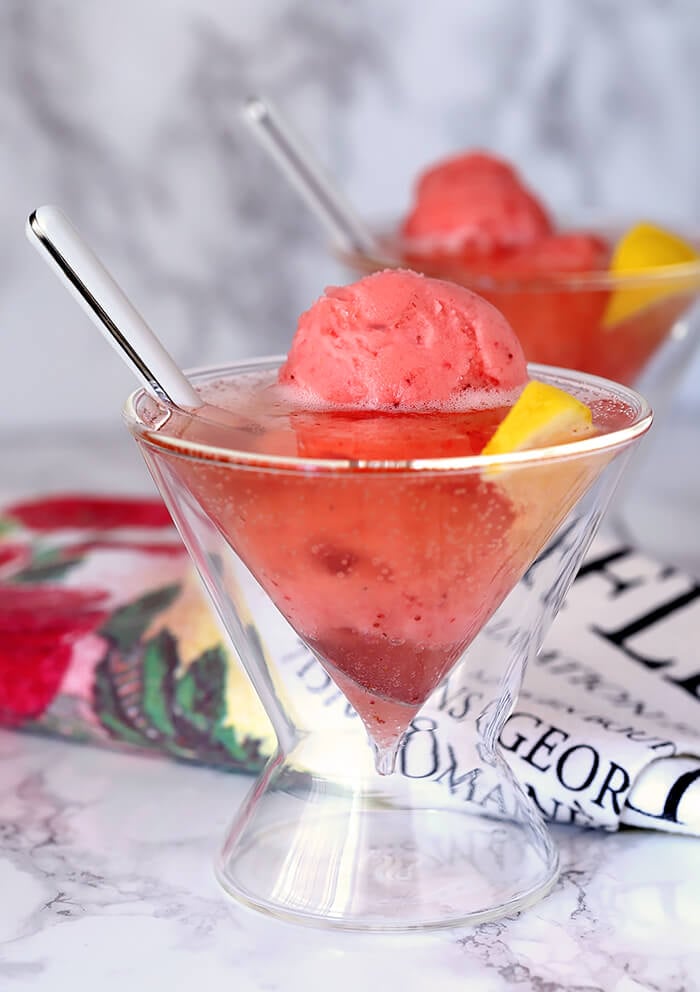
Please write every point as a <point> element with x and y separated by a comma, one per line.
<point>549,550</point>
<point>315,679</point>
<point>455,781</point>
<point>560,812</point>
<point>495,797</point>
<point>458,704</point>
<point>691,684</point>
<point>632,733</point>
<point>544,743</point>
<point>519,738</point>
<point>600,567</point>
<point>420,756</point>
<point>615,789</point>
<point>673,798</point>
<point>565,758</point>
<point>621,636</point>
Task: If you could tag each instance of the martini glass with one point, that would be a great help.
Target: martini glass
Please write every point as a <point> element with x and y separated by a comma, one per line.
<point>635,328</point>
<point>355,593</point>
<point>560,316</point>
<point>560,319</point>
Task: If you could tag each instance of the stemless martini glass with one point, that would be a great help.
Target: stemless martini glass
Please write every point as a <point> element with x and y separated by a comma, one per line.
<point>567,318</point>
<point>381,577</point>
<point>638,328</point>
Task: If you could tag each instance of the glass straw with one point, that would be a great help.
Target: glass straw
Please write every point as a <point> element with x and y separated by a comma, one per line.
<point>347,231</point>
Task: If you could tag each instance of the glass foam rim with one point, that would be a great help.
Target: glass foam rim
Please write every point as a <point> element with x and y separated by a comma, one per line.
<point>159,440</point>
<point>686,274</point>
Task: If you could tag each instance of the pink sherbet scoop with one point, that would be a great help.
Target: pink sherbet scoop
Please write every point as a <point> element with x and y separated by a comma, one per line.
<point>473,199</point>
<point>397,340</point>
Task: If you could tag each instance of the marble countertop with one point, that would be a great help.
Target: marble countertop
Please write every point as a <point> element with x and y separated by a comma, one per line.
<point>106,872</point>
<point>107,880</point>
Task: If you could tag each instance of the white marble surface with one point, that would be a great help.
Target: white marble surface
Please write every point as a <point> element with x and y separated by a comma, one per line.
<point>105,870</point>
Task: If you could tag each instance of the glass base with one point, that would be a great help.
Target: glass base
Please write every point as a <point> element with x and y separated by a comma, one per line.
<point>384,853</point>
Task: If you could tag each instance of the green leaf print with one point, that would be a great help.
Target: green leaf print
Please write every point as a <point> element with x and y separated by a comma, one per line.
<point>109,712</point>
<point>140,699</point>
<point>127,625</point>
<point>160,660</point>
<point>201,693</point>
<point>246,753</point>
<point>47,566</point>
<point>7,525</point>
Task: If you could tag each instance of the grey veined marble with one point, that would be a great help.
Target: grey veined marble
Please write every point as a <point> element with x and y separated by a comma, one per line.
<point>105,865</point>
<point>127,115</point>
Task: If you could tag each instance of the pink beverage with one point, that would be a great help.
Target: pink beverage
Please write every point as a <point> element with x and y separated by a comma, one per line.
<point>473,221</point>
<point>385,566</point>
<point>387,485</point>
<point>556,299</point>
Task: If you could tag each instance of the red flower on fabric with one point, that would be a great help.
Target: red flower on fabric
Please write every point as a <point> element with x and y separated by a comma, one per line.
<point>38,627</point>
<point>68,512</point>
<point>40,621</point>
<point>13,556</point>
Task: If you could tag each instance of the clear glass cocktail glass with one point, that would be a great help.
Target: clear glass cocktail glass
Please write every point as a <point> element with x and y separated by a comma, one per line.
<point>420,588</point>
<point>559,318</point>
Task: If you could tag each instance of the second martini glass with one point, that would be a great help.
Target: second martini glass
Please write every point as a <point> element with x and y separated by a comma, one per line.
<point>596,321</point>
<point>641,329</point>
<point>638,328</point>
<point>588,318</point>
<point>386,577</point>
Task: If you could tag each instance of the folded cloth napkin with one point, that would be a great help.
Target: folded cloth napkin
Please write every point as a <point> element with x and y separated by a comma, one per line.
<point>106,637</point>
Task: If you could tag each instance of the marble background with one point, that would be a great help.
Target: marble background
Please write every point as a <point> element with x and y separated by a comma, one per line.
<point>127,115</point>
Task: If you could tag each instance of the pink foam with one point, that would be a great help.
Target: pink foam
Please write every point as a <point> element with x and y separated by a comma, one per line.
<point>397,340</point>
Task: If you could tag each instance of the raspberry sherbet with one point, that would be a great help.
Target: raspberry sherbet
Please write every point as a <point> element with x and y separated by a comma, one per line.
<point>473,200</point>
<point>397,340</point>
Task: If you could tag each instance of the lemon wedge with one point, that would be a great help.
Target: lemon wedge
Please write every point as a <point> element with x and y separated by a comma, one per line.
<point>643,250</point>
<point>542,415</point>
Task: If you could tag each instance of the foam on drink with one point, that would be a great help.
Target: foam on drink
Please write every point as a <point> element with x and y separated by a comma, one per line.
<point>399,341</point>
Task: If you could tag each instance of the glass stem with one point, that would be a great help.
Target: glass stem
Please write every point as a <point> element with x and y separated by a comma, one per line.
<point>385,756</point>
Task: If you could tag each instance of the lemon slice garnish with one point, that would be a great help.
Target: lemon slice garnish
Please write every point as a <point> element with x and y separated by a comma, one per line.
<point>542,415</point>
<point>643,250</point>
